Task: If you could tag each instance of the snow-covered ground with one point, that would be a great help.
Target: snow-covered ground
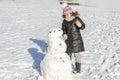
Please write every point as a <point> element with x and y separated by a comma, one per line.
<point>106,5</point>
<point>23,36</point>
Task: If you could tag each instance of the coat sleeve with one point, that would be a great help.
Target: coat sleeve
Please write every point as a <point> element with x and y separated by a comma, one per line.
<point>83,24</point>
<point>64,28</point>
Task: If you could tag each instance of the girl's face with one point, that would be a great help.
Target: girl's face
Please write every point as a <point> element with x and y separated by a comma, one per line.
<point>68,15</point>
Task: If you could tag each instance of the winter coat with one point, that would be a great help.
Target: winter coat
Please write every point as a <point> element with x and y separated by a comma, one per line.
<point>74,42</point>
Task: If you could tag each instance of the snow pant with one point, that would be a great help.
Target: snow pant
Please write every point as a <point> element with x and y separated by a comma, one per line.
<point>76,60</point>
<point>77,57</point>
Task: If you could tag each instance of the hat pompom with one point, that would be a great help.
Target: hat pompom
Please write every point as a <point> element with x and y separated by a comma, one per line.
<point>64,5</point>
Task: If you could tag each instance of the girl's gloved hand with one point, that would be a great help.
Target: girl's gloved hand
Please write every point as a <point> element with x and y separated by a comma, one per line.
<point>78,23</point>
<point>65,37</point>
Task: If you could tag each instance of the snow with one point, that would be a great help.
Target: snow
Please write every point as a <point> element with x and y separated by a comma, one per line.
<point>104,5</point>
<point>24,30</point>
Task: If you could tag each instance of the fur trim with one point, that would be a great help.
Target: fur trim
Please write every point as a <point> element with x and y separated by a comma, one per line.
<point>76,14</point>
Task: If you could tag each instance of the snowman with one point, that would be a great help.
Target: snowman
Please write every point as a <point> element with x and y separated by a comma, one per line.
<point>56,65</point>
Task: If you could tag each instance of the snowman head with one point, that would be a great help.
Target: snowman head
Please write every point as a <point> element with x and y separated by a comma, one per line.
<point>56,43</point>
<point>55,33</point>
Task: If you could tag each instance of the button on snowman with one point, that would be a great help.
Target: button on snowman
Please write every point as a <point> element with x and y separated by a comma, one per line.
<point>56,65</point>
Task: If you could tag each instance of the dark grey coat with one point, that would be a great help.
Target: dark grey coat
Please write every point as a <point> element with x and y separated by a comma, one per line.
<point>74,41</point>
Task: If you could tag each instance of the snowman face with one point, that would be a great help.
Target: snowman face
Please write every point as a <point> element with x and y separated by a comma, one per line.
<point>55,33</point>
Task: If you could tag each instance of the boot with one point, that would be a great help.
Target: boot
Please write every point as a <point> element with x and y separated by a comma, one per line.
<point>78,67</point>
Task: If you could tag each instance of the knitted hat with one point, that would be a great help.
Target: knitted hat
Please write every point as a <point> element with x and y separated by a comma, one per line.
<point>66,9</point>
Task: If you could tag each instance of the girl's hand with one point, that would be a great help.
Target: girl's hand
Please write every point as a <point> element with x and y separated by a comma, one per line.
<point>65,37</point>
<point>78,23</point>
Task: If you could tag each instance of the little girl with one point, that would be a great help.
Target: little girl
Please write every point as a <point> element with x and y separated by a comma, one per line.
<point>71,27</point>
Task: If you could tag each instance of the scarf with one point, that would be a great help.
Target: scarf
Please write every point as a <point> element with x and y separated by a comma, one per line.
<point>70,19</point>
